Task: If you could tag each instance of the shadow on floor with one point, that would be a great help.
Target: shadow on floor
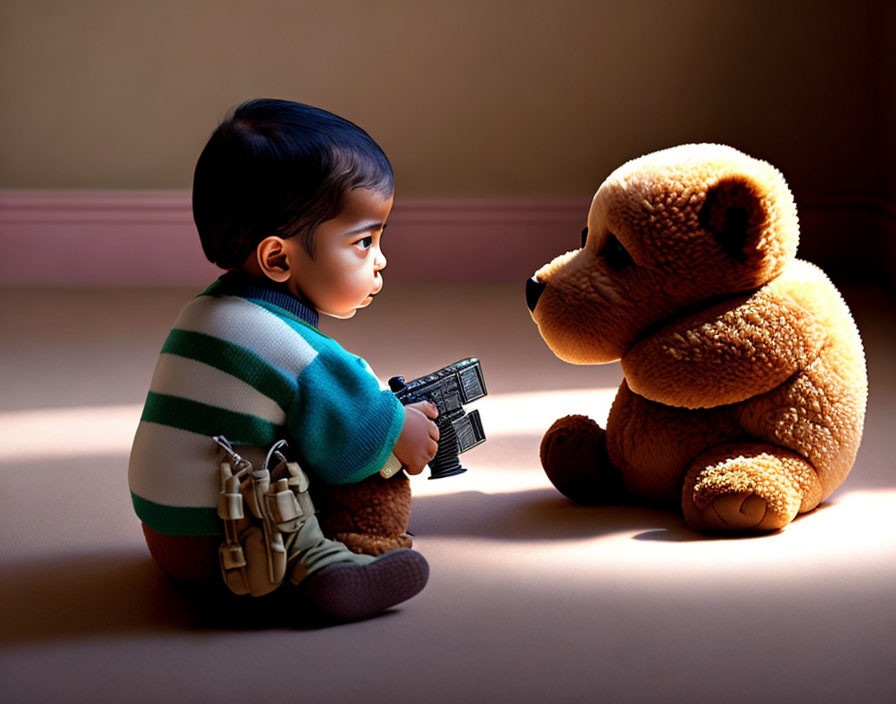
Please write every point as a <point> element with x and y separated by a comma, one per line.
<point>535,514</point>
<point>544,514</point>
<point>75,596</point>
<point>78,597</point>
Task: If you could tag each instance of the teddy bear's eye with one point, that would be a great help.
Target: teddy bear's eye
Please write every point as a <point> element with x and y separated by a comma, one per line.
<point>584,237</point>
<point>616,255</point>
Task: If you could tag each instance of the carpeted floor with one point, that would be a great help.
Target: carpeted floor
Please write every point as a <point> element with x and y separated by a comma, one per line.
<point>531,598</point>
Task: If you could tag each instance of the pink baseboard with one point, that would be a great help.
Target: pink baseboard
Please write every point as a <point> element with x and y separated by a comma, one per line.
<point>120,238</point>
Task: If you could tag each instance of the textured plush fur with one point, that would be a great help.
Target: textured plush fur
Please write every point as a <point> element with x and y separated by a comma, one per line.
<point>368,517</point>
<point>745,384</point>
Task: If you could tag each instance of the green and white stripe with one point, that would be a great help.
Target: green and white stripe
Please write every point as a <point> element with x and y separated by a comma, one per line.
<point>250,327</point>
<point>256,373</point>
<point>229,367</point>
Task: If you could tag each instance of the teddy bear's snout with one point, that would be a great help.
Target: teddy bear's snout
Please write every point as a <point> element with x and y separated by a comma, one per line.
<point>534,289</point>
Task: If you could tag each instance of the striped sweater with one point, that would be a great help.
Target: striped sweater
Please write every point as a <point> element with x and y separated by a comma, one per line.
<point>247,361</point>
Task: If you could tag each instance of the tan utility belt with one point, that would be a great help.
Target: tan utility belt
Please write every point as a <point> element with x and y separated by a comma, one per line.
<point>262,511</point>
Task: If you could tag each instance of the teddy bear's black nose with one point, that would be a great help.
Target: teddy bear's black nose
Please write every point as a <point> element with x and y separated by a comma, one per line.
<point>534,289</point>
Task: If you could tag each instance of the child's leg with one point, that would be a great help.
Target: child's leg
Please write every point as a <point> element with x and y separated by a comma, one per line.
<point>191,559</point>
<point>336,584</point>
<point>352,591</point>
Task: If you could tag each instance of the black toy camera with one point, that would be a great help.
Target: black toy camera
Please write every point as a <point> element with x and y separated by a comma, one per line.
<point>449,389</point>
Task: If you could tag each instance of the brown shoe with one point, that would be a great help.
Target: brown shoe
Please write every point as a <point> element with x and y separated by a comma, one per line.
<point>350,592</point>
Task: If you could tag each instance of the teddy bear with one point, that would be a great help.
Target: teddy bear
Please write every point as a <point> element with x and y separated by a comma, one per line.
<point>744,387</point>
<point>368,517</point>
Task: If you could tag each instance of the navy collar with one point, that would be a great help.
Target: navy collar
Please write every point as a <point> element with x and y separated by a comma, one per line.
<point>236,283</point>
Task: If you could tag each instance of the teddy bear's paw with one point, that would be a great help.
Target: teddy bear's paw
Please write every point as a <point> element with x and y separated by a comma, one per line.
<point>375,545</point>
<point>743,489</point>
<point>574,456</point>
<point>739,513</point>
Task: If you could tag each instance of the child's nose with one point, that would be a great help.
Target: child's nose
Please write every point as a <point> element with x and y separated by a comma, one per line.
<point>380,261</point>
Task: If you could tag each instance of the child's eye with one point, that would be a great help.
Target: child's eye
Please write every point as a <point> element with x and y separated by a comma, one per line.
<point>365,243</point>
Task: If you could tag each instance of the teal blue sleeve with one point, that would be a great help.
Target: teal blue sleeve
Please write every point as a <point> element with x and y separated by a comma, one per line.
<point>343,426</point>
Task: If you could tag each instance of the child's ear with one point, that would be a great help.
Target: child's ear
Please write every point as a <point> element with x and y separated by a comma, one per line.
<point>273,258</point>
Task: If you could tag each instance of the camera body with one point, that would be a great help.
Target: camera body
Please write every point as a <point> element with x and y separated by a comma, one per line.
<point>449,389</point>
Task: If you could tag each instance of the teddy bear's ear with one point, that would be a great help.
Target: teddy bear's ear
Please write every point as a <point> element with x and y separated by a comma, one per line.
<point>734,214</point>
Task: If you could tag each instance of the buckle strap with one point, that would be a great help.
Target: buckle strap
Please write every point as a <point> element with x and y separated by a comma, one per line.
<point>253,555</point>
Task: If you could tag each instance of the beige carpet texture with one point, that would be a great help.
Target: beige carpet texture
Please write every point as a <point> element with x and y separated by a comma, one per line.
<point>531,598</point>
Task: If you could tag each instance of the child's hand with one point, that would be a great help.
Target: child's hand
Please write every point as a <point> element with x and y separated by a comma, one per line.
<point>418,442</point>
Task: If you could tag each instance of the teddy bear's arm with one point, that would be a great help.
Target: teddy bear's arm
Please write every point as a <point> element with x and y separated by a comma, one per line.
<point>727,353</point>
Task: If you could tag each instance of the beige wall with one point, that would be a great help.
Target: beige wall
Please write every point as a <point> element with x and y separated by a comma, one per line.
<point>468,97</point>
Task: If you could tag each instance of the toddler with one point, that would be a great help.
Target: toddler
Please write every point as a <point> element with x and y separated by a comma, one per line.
<point>292,201</point>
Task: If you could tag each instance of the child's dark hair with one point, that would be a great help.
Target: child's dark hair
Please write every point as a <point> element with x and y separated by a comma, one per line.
<point>276,167</point>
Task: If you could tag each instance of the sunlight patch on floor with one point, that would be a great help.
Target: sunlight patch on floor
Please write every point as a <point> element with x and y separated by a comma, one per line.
<point>85,431</point>
<point>854,535</point>
<point>533,412</point>
<point>89,431</point>
<point>854,532</point>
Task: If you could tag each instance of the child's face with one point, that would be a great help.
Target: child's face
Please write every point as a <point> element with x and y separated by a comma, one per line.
<point>344,274</point>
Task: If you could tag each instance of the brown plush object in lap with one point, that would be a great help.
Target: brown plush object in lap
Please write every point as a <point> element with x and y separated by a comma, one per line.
<point>745,385</point>
<point>368,517</point>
